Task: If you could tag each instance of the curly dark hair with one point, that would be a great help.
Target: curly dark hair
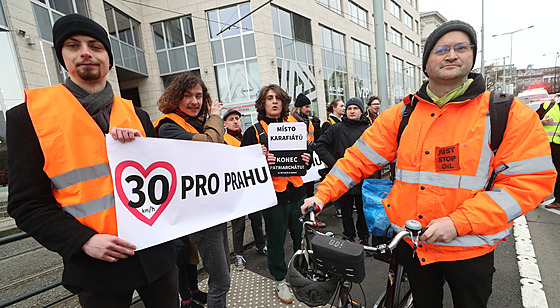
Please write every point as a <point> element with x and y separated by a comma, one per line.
<point>332,105</point>
<point>182,83</point>
<point>261,100</point>
<point>372,98</point>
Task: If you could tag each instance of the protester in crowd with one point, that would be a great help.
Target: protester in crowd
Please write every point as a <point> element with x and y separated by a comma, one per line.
<point>61,189</point>
<point>190,114</point>
<point>187,260</point>
<point>330,147</point>
<point>549,113</point>
<point>444,164</point>
<point>335,110</point>
<point>302,113</point>
<point>233,136</point>
<point>272,107</point>
<point>374,104</point>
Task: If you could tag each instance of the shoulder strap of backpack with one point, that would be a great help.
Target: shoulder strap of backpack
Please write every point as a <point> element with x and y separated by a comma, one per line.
<point>261,134</point>
<point>405,115</point>
<point>499,106</point>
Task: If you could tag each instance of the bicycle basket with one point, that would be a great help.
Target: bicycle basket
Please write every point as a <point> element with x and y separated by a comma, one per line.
<point>342,259</point>
<point>312,288</point>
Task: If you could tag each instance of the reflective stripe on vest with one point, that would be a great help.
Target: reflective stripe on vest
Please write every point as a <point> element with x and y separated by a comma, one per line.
<point>177,119</point>
<point>77,165</point>
<point>553,131</point>
<point>280,182</point>
<point>231,140</point>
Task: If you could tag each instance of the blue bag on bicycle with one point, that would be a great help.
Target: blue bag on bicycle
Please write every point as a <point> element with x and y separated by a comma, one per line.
<point>373,191</point>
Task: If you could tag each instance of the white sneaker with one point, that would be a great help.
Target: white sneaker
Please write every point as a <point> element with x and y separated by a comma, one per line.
<point>239,263</point>
<point>284,293</point>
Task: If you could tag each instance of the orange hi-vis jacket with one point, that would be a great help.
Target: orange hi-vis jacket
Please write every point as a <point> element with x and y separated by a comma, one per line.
<point>231,140</point>
<point>443,165</point>
<point>280,182</point>
<point>330,120</point>
<point>177,119</point>
<point>310,128</point>
<point>76,154</point>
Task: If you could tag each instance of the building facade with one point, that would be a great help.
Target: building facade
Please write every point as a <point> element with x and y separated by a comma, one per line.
<point>322,48</point>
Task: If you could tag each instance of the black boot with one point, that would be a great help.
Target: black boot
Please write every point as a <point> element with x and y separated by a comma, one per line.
<point>200,296</point>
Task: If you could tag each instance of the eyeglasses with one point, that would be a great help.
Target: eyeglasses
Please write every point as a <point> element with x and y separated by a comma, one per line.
<point>459,49</point>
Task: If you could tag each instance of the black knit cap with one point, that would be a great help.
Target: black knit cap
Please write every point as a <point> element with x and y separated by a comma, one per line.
<point>73,24</point>
<point>452,25</point>
<point>357,102</point>
<point>302,100</point>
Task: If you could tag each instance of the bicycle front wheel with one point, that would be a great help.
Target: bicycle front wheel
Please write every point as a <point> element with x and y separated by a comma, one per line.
<point>403,294</point>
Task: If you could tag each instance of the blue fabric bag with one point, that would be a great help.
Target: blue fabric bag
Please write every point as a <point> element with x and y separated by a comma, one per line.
<point>373,191</point>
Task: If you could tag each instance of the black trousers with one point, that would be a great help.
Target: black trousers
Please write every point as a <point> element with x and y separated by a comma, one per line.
<point>470,280</point>
<point>347,203</point>
<point>555,149</point>
<point>160,293</point>
<point>238,230</point>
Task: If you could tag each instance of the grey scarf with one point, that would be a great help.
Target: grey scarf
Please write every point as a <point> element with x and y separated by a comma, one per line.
<point>98,105</point>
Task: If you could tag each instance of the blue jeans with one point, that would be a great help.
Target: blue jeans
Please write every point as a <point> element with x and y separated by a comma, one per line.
<point>214,250</point>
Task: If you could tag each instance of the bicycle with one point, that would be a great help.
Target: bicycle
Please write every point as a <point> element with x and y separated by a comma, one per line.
<point>334,265</point>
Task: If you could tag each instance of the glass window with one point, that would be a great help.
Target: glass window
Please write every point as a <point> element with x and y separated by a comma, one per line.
<point>173,33</point>
<point>395,9</point>
<point>158,36</point>
<point>217,53</point>
<point>288,46</point>
<point>285,23</point>
<point>333,5</point>
<point>234,54</point>
<point>409,45</point>
<point>177,59</point>
<point>115,47</point>
<point>275,25</point>
<point>303,26</point>
<point>124,33</point>
<point>176,37</point>
<point>227,16</point>
<point>3,22</point>
<point>408,20</point>
<point>249,45</point>
<point>278,44</point>
<point>43,22</point>
<point>163,62</point>
<point>234,48</point>
<point>357,14</point>
<point>300,52</point>
<point>396,38</point>
<point>63,6</point>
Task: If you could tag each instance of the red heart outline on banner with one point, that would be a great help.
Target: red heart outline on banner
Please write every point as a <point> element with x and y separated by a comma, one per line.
<point>145,172</point>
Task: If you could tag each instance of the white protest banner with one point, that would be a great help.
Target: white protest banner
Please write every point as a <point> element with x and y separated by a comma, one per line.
<point>165,188</point>
<point>287,141</point>
<point>312,174</point>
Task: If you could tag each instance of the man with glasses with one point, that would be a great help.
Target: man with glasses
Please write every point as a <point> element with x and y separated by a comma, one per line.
<point>444,162</point>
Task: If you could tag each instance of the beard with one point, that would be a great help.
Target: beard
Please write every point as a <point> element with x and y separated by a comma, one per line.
<point>89,73</point>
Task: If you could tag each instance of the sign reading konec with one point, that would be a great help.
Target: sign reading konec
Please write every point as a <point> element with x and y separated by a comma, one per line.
<point>287,141</point>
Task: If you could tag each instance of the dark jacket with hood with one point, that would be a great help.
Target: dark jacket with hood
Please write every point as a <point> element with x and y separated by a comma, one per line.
<point>340,136</point>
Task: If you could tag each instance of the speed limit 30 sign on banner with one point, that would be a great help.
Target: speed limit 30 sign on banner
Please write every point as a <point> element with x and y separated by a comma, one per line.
<point>165,188</point>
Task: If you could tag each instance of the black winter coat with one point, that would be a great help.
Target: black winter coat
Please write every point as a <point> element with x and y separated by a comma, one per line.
<point>335,140</point>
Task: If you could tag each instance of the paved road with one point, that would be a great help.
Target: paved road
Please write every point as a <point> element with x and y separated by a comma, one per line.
<point>543,229</point>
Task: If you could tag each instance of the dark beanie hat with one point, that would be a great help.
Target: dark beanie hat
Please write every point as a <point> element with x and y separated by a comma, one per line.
<point>452,25</point>
<point>230,111</point>
<point>73,24</point>
<point>302,100</point>
<point>355,101</point>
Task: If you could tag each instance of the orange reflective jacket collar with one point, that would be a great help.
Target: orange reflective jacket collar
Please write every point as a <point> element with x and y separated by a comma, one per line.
<point>75,153</point>
<point>177,119</point>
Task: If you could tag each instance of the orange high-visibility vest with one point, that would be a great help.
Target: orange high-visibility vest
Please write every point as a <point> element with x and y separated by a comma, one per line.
<point>280,182</point>
<point>444,161</point>
<point>177,119</point>
<point>310,128</point>
<point>76,154</point>
<point>231,140</point>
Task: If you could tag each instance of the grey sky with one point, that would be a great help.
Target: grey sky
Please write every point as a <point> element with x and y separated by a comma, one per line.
<point>502,16</point>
